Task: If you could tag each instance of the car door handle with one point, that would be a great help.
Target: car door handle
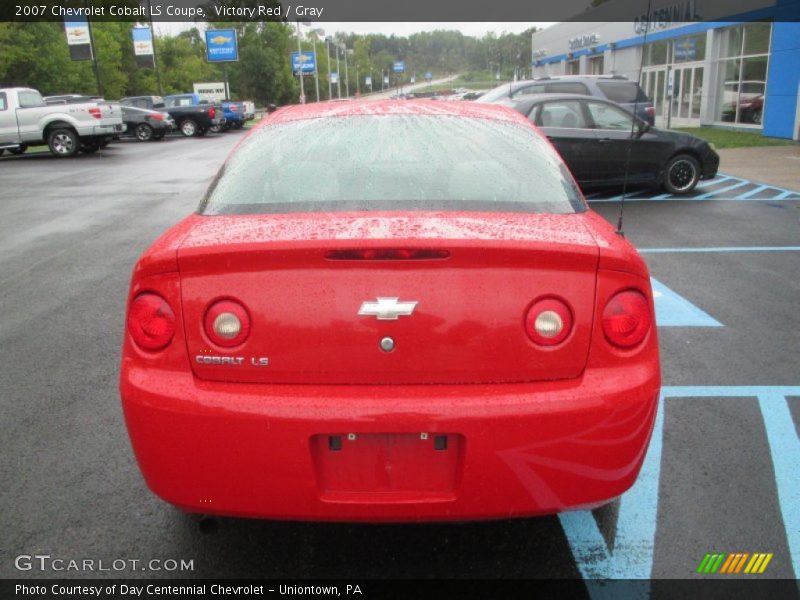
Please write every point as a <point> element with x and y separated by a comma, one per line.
<point>604,140</point>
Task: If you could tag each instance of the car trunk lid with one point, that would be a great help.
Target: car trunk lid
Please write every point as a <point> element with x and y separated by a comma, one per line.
<point>450,290</point>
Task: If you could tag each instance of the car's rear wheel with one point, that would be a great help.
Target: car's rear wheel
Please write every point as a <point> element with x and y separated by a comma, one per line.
<point>189,128</point>
<point>63,143</point>
<point>238,125</point>
<point>18,150</point>
<point>144,133</point>
<point>682,174</point>
<point>215,128</point>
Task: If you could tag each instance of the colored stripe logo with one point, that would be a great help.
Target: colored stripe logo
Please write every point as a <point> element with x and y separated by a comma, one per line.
<point>735,563</point>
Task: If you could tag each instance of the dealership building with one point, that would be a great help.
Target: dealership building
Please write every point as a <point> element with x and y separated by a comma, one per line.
<point>739,71</point>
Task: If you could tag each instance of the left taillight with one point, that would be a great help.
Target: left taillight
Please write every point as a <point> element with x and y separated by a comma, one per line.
<point>151,322</point>
<point>156,117</point>
<point>548,322</point>
<point>212,112</point>
<point>96,112</point>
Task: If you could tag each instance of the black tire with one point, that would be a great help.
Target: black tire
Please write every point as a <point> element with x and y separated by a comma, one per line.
<point>681,174</point>
<point>202,131</point>
<point>189,128</point>
<point>215,128</point>
<point>18,150</point>
<point>63,143</point>
<point>143,132</point>
<point>158,135</point>
<point>238,125</point>
<point>107,141</point>
<point>91,146</point>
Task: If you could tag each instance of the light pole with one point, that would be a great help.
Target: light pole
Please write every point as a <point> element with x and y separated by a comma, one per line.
<point>317,34</point>
<point>300,66</point>
<point>346,76</point>
<point>328,56</point>
<point>338,74</point>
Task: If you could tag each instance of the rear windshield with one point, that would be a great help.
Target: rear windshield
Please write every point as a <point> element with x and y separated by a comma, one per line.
<point>623,92</point>
<point>393,162</point>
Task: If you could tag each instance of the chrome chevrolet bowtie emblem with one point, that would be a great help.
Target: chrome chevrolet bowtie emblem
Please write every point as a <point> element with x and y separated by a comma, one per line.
<point>387,309</point>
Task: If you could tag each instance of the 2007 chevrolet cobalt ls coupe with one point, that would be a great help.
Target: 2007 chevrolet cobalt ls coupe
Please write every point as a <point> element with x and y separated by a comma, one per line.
<point>390,311</point>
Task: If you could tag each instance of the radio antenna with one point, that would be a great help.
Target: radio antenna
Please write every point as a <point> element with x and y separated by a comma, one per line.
<point>620,231</point>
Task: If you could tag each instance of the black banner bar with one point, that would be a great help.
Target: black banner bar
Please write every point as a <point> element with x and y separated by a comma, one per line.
<point>729,588</point>
<point>533,11</point>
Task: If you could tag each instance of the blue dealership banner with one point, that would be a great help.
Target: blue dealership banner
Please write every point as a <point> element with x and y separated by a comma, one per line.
<point>143,46</point>
<point>79,38</point>
<point>399,66</point>
<point>306,59</point>
<point>221,45</point>
<point>685,49</point>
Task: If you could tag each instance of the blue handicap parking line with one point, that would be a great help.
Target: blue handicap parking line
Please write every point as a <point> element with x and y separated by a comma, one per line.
<point>673,310</point>
<point>712,189</point>
<point>722,190</point>
<point>634,540</point>
<point>720,249</point>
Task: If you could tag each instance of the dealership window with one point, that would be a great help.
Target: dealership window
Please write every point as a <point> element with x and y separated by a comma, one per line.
<point>596,65</point>
<point>688,49</point>
<point>655,54</point>
<point>573,67</point>
<point>742,69</point>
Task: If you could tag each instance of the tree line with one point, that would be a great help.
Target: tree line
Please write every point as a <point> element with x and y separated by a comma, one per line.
<point>35,54</point>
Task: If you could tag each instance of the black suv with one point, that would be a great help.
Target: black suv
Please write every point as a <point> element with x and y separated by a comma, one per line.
<point>616,88</point>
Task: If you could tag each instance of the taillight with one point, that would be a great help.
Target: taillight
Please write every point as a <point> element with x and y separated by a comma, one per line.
<point>151,322</point>
<point>548,322</point>
<point>212,112</point>
<point>627,319</point>
<point>156,117</point>
<point>234,108</point>
<point>651,111</point>
<point>227,323</point>
<point>96,112</point>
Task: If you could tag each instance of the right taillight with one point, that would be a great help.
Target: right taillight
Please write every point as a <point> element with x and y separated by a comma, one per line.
<point>227,323</point>
<point>212,112</point>
<point>627,319</point>
<point>151,322</point>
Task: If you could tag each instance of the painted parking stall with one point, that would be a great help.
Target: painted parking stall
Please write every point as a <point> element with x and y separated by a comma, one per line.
<point>722,187</point>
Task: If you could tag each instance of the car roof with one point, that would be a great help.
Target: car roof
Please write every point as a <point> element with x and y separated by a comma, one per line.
<point>528,102</point>
<point>318,110</point>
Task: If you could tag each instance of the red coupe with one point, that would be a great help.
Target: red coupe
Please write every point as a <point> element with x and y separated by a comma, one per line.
<point>390,311</point>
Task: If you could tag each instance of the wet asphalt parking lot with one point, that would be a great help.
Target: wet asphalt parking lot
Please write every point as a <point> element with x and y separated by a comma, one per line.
<point>721,474</point>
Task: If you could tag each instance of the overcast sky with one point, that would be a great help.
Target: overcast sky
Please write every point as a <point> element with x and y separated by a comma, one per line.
<point>399,29</point>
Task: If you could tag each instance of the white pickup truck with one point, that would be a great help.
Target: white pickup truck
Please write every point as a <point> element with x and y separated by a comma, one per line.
<point>26,120</point>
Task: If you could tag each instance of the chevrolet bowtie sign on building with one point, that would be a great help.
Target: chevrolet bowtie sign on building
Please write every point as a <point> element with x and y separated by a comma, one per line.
<point>221,45</point>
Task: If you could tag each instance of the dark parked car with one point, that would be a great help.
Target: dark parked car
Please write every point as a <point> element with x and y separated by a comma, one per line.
<point>593,138</point>
<point>616,88</point>
<point>192,119</point>
<point>146,125</point>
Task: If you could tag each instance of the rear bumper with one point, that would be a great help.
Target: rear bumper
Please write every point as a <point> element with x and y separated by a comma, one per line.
<point>262,450</point>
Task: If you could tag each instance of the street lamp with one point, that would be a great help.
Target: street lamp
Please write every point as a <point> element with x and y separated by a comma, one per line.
<point>317,34</point>
<point>346,76</point>
<point>300,65</point>
<point>328,55</point>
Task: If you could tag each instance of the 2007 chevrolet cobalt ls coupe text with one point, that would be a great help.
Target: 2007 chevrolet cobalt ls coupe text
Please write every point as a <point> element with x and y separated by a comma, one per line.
<point>390,311</point>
